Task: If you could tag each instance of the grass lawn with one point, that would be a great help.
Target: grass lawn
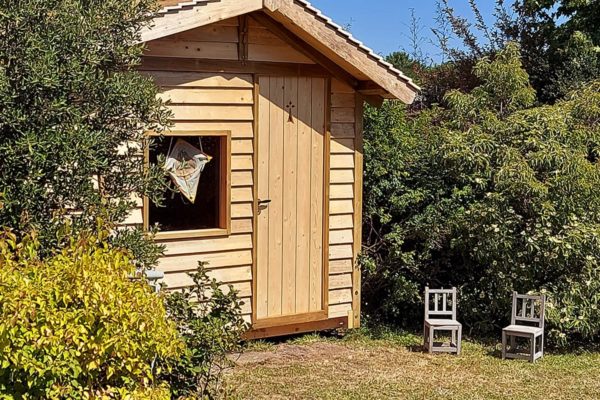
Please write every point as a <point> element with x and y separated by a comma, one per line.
<point>391,366</point>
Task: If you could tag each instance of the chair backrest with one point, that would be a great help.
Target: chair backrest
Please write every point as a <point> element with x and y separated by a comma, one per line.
<point>440,303</point>
<point>527,309</point>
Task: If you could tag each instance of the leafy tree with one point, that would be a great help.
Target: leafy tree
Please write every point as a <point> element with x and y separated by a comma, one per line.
<point>73,112</point>
<point>490,194</point>
<point>559,40</point>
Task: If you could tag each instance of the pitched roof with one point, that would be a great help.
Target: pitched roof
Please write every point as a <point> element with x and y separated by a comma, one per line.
<point>282,10</point>
<point>359,44</point>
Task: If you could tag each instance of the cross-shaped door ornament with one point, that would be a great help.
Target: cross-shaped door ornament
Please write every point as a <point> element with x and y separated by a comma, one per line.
<point>290,108</point>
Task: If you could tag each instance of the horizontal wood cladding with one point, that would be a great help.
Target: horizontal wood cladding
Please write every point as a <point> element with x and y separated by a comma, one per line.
<point>207,96</point>
<point>242,225</point>
<point>215,102</point>
<point>337,207</point>
<point>242,178</point>
<point>341,236</point>
<point>242,162</point>
<point>340,87</point>
<point>203,80</point>
<point>340,266</point>
<point>239,129</point>
<point>342,175</point>
<point>219,33</point>
<point>342,199</point>
<point>212,112</point>
<point>242,146</point>
<point>244,210</point>
<point>215,259</point>
<point>271,53</point>
<point>264,45</point>
<point>341,221</point>
<point>340,251</point>
<point>340,191</point>
<point>339,310</point>
<point>222,42</point>
<point>342,115</point>
<point>340,296</point>
<point>342,161</point>
<point>224,275</point>
<point>192,49</point>
<point>232,66</point>
<point>342,130</point>
<point>242,194</point>
<point>201,101</point>
<point>343,100</point>
<point>201,246</point>
<point>341,281</point>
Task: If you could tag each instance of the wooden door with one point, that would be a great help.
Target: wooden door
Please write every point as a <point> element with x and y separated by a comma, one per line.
<point>291,200</point>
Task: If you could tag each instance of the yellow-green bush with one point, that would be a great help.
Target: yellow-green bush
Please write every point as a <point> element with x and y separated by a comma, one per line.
<point>73,325</point>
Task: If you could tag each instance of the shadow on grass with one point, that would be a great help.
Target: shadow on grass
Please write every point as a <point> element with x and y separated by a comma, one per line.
<point>411,340</point>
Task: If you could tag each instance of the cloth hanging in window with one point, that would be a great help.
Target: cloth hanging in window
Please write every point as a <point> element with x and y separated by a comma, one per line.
<point>185,164</point>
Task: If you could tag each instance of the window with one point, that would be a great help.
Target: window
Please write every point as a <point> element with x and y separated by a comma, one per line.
<point>187,210</point>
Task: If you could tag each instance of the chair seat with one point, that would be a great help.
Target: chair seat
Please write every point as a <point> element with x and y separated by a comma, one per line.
<point>531,330</point>
<point>442,322</point>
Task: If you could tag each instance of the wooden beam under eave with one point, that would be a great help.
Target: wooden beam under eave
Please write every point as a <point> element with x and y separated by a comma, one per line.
<point>375,101</point>
<point>190,17</point>
<point>230,66</point>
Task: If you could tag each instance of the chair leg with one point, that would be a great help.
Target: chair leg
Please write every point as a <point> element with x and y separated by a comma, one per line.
<point>425,338</point>
<point>431,335</point>
<point>533,347</point>
<point>541,346</point>
<point>459,341</point>
<point>453,338</point>
<point>503,345</point>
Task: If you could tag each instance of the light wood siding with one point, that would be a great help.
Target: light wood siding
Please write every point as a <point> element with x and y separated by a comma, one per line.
<point>216,41</point>
<point>221,42</point>
<point>219,101</point>
<point>341,195</point>
<point>291,148</point>
<point>211,101</point>
<point>263,45</point>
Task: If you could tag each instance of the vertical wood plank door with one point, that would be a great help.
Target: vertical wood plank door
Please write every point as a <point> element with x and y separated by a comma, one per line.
<point>291,199</point>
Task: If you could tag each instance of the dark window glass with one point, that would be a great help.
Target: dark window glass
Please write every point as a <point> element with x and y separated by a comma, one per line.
<point>178,213</point>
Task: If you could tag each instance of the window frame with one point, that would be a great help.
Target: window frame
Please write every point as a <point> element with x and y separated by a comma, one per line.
<point>224,228</point>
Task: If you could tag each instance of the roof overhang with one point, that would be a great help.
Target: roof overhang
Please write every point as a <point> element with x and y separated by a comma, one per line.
<point>372,75</point>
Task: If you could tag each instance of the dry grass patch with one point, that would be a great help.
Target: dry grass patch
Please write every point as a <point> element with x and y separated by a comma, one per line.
<point>362,367</point>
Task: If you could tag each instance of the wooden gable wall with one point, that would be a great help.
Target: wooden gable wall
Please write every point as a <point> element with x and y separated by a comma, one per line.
<point>204,100</point>
<point>221,40</point>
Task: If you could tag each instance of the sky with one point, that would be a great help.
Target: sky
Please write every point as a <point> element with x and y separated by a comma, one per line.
<point>383,25</point>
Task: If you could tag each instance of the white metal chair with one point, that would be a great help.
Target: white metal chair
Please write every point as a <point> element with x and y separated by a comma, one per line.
<point>527,321</point>
<point>440,315</point>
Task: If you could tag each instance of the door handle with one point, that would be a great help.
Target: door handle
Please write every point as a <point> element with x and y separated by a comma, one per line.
<point>263,204</point>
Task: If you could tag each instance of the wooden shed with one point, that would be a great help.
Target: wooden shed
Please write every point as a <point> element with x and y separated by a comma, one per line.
<point>273,91</point>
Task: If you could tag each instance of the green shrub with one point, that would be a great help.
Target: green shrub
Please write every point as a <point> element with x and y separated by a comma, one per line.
<point>74,107</point>
<point>209,320</point>
<point>74,325</point>
<point>491,194</point>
